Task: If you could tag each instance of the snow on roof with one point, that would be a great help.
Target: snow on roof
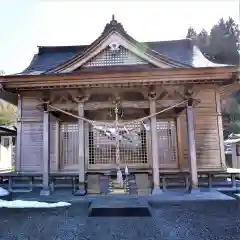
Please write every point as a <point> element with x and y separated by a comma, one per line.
<point>229,141</point>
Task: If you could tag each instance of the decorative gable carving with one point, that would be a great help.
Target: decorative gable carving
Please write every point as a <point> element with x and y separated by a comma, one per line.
<point>115,55</point>
<point>114,47</point>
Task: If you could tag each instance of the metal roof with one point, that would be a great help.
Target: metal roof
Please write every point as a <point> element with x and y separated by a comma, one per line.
<point>184,51</point>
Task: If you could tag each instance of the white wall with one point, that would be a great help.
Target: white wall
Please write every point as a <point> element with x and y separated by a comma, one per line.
<point>6,148</point>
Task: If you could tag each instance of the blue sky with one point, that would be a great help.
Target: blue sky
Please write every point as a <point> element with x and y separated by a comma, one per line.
<point>26,24</point>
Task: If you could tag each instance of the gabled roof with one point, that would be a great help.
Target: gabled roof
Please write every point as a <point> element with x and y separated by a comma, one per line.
<point>8,129</point>
<point>182,53</point>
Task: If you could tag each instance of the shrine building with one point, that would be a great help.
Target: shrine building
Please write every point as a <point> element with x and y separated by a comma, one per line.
<point>149,108</point>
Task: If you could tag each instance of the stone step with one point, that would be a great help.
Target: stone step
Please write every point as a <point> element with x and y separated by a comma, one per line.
<point>93,184</point>
<point>143,184</point>
<point>144,192</point>
<point>118,193</point>
<point>119,207</point>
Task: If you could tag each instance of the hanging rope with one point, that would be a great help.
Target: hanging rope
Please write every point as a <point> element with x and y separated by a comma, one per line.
<point>119,124</point>
<point>94,123</point>
<point>155,114</point>
<point>141,120</point>
<point>104,127</point>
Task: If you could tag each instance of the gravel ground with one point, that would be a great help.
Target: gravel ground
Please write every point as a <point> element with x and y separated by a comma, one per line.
<point>218,220</point>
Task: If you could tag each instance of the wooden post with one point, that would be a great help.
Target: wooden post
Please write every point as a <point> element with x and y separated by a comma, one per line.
<point>220,127</point>
<point>19,135</point>
<point>154,143</point>
<point>192,146</point>
<point>57,146</point>
<point>234,155</point>
<point>238,158</point>
<point>81,156</point>
<point>46,154</point>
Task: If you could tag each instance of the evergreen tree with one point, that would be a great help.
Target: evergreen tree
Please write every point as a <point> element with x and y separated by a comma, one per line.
<point>222,45</point>
<point>191,33</point>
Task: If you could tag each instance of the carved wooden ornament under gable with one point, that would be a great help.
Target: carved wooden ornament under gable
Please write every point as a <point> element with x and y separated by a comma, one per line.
<point>68,96</point>
<point>166,93</point>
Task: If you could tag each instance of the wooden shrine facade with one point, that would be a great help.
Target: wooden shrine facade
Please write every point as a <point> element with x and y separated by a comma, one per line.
<point>186,136</point>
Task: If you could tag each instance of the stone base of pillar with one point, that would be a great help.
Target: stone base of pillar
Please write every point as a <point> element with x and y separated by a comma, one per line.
<point>81,190</point>
<point>195,190</point>
<point>45,192</point>
<point>157,191</point>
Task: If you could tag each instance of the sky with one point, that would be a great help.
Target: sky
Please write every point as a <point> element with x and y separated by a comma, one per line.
<point>26,24</point>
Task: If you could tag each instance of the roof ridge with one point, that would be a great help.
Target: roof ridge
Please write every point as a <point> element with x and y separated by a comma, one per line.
<point>62,46</point>
<point>86,45</point>
<point>169,41</point>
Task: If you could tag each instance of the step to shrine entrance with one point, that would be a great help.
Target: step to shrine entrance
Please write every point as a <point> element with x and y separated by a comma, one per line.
<point>116,188</point>
<point>134,184</point>
<point>119,207</point>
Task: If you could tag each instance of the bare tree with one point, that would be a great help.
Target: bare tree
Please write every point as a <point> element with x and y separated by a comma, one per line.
<point>8,112</point>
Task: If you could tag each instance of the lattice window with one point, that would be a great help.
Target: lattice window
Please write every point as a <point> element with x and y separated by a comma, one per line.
<point>166,130</point>
<point>133,149</point>
<point>101,148</point>
<point>110,58</point>
<point>13,156</point>
<point>68,144</point>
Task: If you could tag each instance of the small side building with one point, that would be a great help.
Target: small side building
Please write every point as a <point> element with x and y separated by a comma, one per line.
<point>7,148</point>
<point>232,146</point>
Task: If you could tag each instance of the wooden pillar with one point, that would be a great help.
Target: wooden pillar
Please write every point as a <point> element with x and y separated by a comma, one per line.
<point>154,144</point>
<point>238,157</point>
<point>19,135</point>
<point>192,146</point>
<point>220,128</point>
<point>46,154</point>
<point>234,155</point>
<point>57,147</point>
<point>234,164</point>
<point>81,156</point>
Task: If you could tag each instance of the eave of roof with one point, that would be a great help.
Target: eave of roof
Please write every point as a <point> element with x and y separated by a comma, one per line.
<point>8,129</point>
<point>145,77</point>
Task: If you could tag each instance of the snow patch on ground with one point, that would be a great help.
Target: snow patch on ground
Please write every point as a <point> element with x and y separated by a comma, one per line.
<point>27,204</point>
<point>3,192</point>
<point>31,204</point>
<point>233,170</point>
<point>229,180</point>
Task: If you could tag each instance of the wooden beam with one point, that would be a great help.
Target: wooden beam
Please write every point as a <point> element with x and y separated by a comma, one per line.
<point>151,77</point>
<point>129,104</point>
